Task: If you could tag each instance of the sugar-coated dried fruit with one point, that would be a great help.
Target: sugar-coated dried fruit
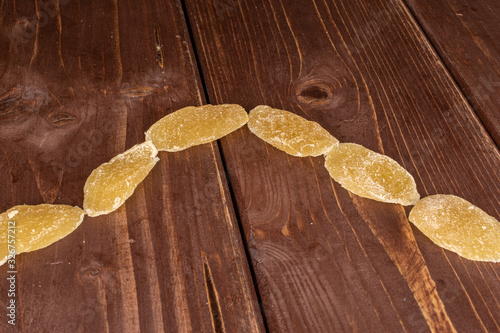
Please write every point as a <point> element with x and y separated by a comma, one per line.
<point>113,182</point>
<point>28,228</point>
<point>459,226</point>
<point>289,132</point>
<point>371,175</point>
<point>193,126</point>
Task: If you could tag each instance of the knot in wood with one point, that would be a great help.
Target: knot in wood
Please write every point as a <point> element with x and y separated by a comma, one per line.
<point>61,118</point>
<point>138,91</point>
<point>314,93</point>
<point>21,102</point>
<point>330,92</point>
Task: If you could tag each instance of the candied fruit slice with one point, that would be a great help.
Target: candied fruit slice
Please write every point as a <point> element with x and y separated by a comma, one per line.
<point>457,225</point>
<point>371,175</point>
<point>113,182</point>
<point>289,132</point>
<point>28,228</point>
<point>193,126</point>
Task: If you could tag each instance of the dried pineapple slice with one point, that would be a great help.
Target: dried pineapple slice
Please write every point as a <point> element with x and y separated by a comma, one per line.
<point>457,225</point>
<point>371,175</point>
<point>28,228</point>
<point>289,132</point>
<point>193,126</point>
<point>113,182</point>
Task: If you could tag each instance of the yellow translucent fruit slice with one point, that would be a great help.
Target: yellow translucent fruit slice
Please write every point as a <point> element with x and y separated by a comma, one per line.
<point>29,228</point>
<point>457,225</point>
<point>113,182</point>
<point>193,126</point>
<point>371,175</point>
<point>289,132</point>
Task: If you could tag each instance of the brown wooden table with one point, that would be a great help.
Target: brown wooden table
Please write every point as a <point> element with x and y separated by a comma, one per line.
<point>236,236</point>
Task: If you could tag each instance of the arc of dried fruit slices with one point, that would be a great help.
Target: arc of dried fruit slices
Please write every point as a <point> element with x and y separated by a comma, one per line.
<point>449,221</point>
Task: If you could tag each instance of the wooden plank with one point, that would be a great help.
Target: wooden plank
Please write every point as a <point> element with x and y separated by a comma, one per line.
<point>466,34</point>
<point>81,81</point>
<point>326,260</point>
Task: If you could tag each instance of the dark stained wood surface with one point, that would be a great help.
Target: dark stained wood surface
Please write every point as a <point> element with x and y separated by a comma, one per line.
<point>325,260</point>
<point>84,84</point>
<point>81,87</point>
<point>466,34</point>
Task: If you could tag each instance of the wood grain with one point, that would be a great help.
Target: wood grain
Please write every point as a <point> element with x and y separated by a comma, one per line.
<point>466,34</point>
<point>81,81</point>
<point>326,260</point>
